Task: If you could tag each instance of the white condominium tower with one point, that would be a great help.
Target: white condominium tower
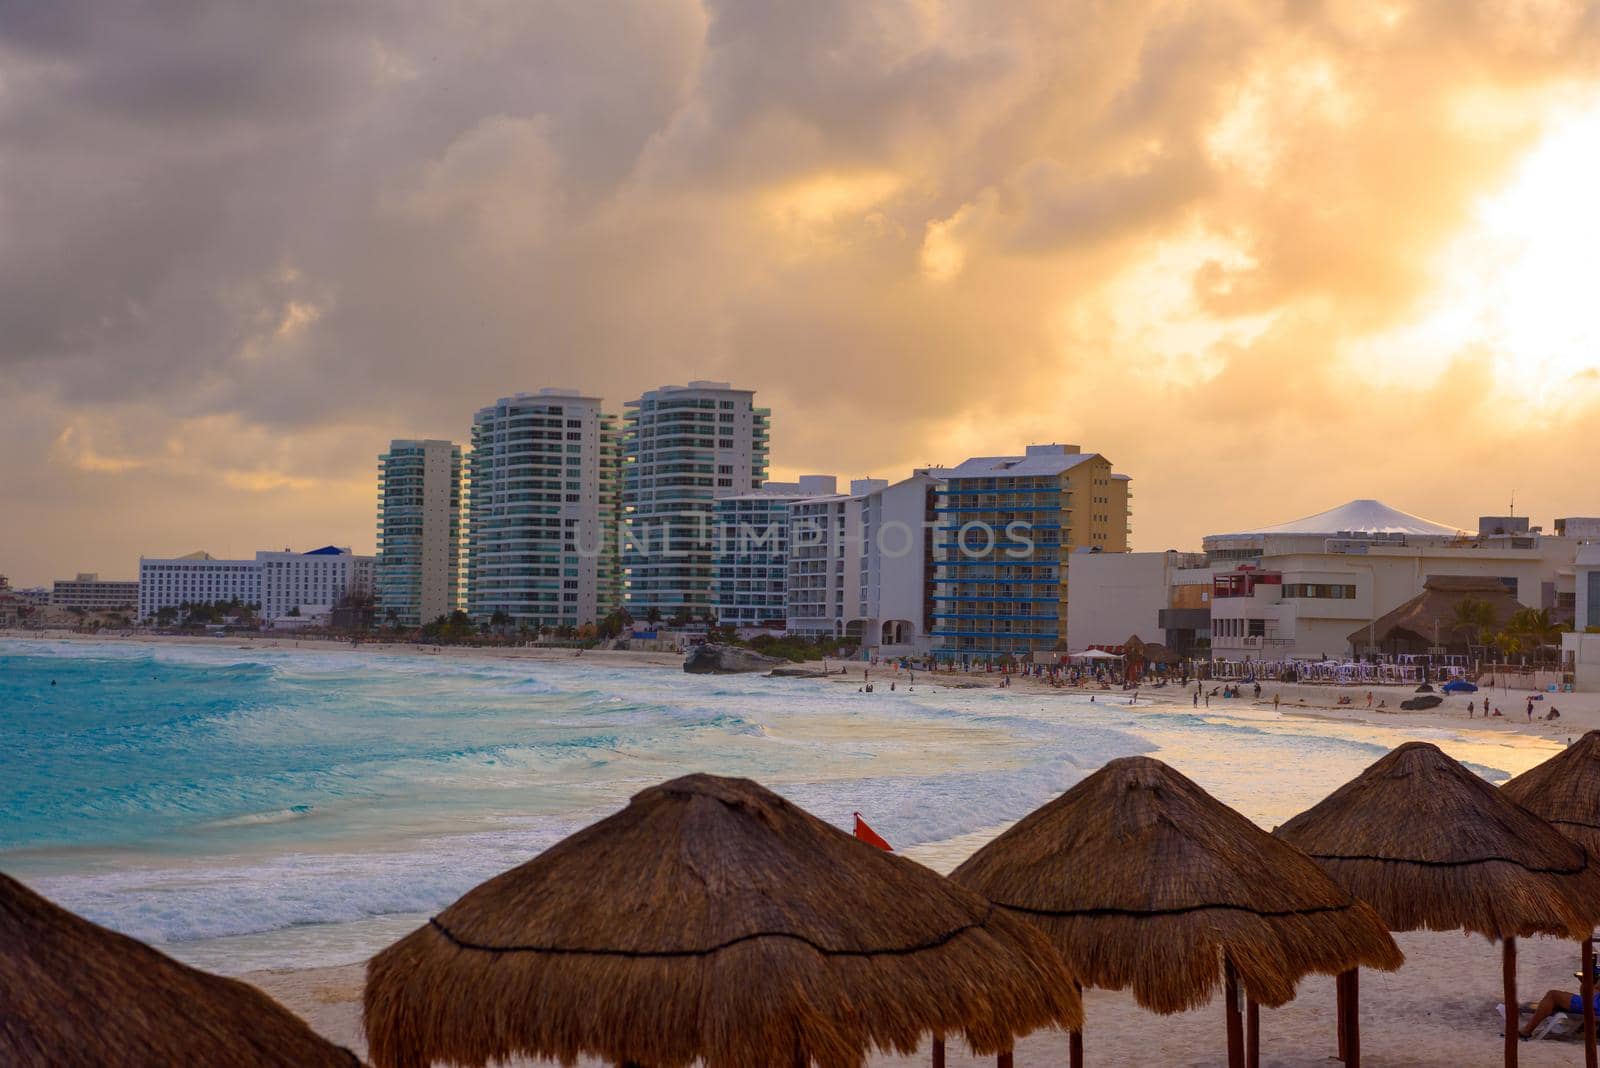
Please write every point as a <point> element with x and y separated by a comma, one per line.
<point>684,447</point>
<point>542,510</point>
<point>419,532</point>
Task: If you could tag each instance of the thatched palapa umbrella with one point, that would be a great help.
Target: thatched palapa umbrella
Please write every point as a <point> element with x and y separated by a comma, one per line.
<point>72,992</point>
<point>1565,790</point>
<point>1429,844</point>
<point>1144,880</point>
<point>711,920</point>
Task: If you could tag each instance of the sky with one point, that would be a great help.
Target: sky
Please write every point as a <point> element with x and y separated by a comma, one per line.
<point>1265,256</point>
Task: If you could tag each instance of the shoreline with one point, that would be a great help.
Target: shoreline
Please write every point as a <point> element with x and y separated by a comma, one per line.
<point>1438,1010</point>
<point>1580,712</point>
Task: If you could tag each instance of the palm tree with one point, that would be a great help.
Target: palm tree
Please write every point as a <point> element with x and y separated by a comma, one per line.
<point>1509,643</point>
<point>1535,629</point>
<point>1474,619</point>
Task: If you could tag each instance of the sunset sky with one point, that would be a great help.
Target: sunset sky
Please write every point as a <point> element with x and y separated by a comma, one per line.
<point>1264,256</point>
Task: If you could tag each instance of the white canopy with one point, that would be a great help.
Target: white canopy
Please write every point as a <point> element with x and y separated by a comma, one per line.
<point>1365,516</point>
<point>1094,654</point>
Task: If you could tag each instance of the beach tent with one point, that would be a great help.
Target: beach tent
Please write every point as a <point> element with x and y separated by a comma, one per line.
<point>72,992</point>
<point>711,920</point>
<point>1143,880</point>
<point>1566,791</point>
<point>1094,654</point>
<point>1431,845</point>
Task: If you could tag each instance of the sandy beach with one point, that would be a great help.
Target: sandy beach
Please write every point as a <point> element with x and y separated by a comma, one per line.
<point>1438,1010</point>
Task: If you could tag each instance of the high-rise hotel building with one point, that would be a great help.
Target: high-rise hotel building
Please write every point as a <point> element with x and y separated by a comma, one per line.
<point>419,532</point>
<point>1006,527</point>
<point>683,448</point>
<point>541,514</point>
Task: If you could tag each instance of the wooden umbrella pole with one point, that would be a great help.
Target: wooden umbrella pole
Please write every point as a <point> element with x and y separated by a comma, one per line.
<point>1586,988</point>
<point>1352,1023</point>
<point>1339,1010</point>
<point>1513,1011</point>
<point>1075,1039</point>
<point>938,1052</point>
<point>1235,1025</point>
<point>1252,1034</point>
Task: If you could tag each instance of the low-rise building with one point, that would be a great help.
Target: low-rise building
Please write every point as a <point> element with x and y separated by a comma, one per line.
<point>90,593</point>
<point>12,607</point>
<point>1117,596</point>
<point>1300,589</point>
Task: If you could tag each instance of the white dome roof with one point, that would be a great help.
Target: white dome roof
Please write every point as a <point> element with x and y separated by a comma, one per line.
<point>1364,516</point>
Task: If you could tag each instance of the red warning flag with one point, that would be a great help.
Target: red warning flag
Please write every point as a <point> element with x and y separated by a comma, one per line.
<point>870,836</point>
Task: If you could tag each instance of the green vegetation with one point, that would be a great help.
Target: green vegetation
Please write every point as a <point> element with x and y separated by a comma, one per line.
<point>793,647</point>
<point>202,613</point>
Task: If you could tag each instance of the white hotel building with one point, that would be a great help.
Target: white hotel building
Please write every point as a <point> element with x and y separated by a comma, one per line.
<point>279,582</point>
<point>684,447</point>
<point>319,579</point>
<point>197,578</point>
<point>541,516</point>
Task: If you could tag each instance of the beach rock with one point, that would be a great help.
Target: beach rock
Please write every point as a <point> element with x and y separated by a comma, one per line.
<point>1418,704</point>
<point>798,673</point>
<point>709,659</point>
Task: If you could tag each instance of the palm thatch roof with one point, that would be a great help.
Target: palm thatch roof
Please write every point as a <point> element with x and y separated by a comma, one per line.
<point>1565,791</point>
<point>1429,844</point>
<point>1152,652</point>
<point>1430,617</point>
<point>711,920</point>
<point>1143,879</point>
<point>72,992</point>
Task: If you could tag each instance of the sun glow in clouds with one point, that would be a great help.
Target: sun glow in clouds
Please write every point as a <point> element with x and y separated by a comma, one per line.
<point>1520,284</point>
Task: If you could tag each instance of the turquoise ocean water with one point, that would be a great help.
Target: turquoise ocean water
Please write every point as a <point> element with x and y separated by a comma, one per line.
<point>252,808</point>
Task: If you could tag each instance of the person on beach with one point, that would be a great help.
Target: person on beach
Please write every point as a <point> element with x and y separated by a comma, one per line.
<point>1275,699</point>
<point>1197,698</point>
<point>1530,710</point>
<point>1469,708</point>
<point>1555,1001</point>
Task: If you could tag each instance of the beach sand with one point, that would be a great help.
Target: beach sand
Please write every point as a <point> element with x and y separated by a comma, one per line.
<point>1438,1010</point>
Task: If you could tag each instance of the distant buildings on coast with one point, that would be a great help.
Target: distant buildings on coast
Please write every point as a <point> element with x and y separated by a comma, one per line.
<point>562,514</point>
<point>284,588</point>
